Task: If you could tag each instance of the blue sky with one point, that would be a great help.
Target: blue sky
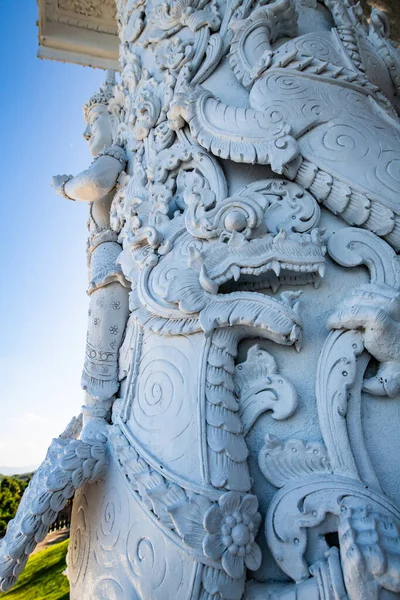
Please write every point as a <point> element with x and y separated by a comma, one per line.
<point>43,302</point>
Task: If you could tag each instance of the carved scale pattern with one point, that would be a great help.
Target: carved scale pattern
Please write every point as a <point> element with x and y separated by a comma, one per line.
<point>69,463</point>
<point>354,207</point>
<point>227,450</point>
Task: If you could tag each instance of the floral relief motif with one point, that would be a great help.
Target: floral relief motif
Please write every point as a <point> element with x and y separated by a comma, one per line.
<point>172,54</point>
<point>231,527</point>
<point>148,105</point>
<point>89,8</point>
<point>170,17</point>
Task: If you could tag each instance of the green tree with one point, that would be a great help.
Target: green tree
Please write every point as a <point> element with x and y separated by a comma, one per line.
<point>11,490</point>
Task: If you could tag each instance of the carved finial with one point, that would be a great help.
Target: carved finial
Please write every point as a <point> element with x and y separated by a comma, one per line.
<point>255,370</point>
<point>103,96</point>
<point>261,388</point>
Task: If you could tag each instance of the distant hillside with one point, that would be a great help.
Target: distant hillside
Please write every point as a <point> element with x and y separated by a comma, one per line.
<point>17,470</point>
<point>22,477</point>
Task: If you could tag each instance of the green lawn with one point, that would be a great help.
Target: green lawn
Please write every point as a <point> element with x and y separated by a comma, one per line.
<point>42,578</point>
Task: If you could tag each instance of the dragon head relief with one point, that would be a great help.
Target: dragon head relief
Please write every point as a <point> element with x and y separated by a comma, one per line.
<point>259,263</point>
<point>217,279</point>
<point>198,256</point>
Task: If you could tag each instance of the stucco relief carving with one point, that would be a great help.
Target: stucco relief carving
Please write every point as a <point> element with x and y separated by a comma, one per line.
<point>79,31</point>
<point>89,14</point>
<point>340,480</point>
<point>252,156</point>
<point>89,8</point>
<point>69,463</point>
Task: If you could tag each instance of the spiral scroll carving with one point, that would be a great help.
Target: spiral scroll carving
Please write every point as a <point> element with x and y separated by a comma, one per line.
<point>80,543</point>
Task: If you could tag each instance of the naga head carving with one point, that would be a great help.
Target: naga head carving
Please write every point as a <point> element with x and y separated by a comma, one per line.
<point>199,258</point>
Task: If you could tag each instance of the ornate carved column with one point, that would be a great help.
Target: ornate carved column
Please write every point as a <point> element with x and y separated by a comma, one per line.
<point>253,448</point>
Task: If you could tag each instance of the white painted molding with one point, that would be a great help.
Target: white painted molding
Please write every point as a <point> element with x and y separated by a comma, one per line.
<point>76,32</point>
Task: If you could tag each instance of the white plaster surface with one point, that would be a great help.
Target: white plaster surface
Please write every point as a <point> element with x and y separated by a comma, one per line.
<point>246,176</point>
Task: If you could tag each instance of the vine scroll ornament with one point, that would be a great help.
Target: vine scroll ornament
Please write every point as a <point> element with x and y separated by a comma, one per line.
<point>337,480</point>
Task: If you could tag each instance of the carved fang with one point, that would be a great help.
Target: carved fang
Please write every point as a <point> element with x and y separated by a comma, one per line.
<point>299,343</point>
<point>206,283</point>
<point>276,267</point>
<point>235,270</point>
<point>317,282</point>
<point>275,287</point>
<point>296,337</point>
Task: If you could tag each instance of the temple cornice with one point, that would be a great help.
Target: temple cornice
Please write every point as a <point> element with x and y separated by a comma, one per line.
<point>79,31</point>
